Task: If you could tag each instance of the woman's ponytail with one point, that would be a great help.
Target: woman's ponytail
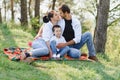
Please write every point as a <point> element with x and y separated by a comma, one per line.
<point>45,19</point>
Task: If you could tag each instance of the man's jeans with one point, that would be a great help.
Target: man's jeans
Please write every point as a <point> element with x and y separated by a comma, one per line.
<point>39,48</point>
<point>85,38</point>
<point>61,51</point>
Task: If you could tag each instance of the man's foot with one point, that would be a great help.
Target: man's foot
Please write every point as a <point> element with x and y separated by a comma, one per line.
<point>93,58</point>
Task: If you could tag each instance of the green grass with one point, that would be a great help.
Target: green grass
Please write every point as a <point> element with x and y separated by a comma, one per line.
<point>107,69</point>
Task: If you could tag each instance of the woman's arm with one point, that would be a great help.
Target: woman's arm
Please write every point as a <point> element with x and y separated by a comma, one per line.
<point>50,51</point>
<point>39,32</point>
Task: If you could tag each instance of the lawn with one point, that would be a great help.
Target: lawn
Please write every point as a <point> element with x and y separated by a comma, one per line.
<point>107,69</point>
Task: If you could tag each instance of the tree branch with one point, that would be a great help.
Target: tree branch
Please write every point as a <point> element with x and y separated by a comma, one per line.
<point>114,21</point>
<point>114,8</point>
<point>90,11</point>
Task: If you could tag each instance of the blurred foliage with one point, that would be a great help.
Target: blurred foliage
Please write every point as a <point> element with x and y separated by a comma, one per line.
<point>35,24</point>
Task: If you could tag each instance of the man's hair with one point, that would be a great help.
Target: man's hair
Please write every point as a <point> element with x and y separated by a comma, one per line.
<point>64,8</point>
<point>55,26</point>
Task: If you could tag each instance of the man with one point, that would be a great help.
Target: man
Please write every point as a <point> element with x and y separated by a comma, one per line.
<point>73,35</point>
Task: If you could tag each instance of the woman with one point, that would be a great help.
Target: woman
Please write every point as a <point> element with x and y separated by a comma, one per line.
<point>50,20</point>
<point>41,45</point>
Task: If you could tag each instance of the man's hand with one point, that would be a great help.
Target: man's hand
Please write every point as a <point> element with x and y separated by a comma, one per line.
<point>61,45</point>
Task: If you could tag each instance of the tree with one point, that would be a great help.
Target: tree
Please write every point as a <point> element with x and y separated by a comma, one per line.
<point>100,35</point>
<point>53,6</point>
<point>12,11</point>
<point>0,16</point>
<point>114,13</point>
<point>37,8</point>
<point>29,9</point>
<point>113,19</point>
<point>4,2</point>
<point>24,21</point>
<point>35,21</point>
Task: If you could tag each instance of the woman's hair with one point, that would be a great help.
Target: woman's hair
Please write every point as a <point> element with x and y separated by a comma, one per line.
<point>55,26</point>
<point>48,17</point>
<point>64,8</point>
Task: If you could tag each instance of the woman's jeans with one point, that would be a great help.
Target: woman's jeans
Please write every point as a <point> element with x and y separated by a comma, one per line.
<point>85,38</point>
<point>39,48</point>
<point>61,51</point>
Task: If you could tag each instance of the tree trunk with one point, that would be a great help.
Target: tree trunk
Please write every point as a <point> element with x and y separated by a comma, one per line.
<point>100,35</point>
<point>53,6</point>
<point>12,11</point>
<point>24,21</point>
<point>37,15</point>
<point>37,8</point>
<point>0,16</point>
<point>29,10</point>
<point>5,10</point>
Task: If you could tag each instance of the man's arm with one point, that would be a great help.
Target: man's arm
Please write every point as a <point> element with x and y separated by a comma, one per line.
<point>77,30</point>
<point>61,45</point>
<point>71,42</point>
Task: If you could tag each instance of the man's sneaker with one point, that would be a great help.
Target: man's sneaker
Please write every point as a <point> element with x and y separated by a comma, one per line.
<point>93,58</point>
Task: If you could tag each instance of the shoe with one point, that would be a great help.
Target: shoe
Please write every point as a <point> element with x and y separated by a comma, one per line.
<point>58,55</point>
<point>93,58</point>
<point>84,54</point>
<point>54,55</point>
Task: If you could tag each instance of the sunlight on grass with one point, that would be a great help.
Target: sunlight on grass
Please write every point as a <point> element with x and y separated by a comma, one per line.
<point>113,45</point>
<point>107,69</point>
<point>61,71</point>
<point>22,37</point>
<point>112,71</point>
<point>14,37</point>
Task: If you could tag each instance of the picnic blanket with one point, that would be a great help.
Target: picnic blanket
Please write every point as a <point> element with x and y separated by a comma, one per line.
<point>14,54</point>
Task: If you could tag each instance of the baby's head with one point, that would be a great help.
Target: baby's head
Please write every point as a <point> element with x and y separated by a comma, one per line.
<point>57,30</point>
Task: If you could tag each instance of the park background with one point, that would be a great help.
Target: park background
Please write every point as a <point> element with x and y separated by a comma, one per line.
<point>20,21</point>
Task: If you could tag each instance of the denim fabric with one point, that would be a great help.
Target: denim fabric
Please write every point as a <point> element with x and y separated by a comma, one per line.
<point>85,38</point>
<point>39,48</point>
<point>61,51</point>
